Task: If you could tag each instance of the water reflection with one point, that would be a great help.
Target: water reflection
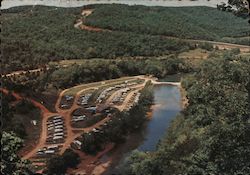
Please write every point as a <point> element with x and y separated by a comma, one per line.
<point>167,106</point>
<point>167,99</point>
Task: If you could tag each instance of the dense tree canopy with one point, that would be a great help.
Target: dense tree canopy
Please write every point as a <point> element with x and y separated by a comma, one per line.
<point>16,118</point>
<point>121,124</point>
<point>58,165</point>
<point>185,22</point>
<point>33,36</point>
<point>11,163</point>
<point>97,70</point>
<point>211,136</point>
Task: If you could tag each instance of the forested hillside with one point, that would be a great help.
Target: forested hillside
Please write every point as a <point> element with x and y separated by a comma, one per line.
<point>211,136</point>
<point>185,22</point>
<point>32,36</point>
<point>96,70</point>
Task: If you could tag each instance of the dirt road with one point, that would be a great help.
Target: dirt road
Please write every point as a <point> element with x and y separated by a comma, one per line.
<point>80,22</point>
<point>73,133</point>
<point>45,114</point>
<point>221,45</point>
<point>20,72</point>
<point>17,96</point>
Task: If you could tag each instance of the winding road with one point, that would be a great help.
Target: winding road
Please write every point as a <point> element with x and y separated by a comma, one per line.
<point>73,133</point>
<point>45,115</point>
<point>221,45</point>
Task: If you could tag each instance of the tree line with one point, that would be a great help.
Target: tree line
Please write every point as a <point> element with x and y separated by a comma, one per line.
<point>210,136</point>
<point>120,124</point>
<point>15,116</point>
<point>204,23</point>
<point>33,36</point>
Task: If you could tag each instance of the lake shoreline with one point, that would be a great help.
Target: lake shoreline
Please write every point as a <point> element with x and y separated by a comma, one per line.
<point>102,168</point>
<point>113,159</point>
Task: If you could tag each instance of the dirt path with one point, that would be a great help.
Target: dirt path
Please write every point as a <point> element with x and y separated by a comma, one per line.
<point>73,133</point>
<point>17,96</point>
<point>45,114</point>
<point>80,22</point>
<point>89,163</point>
<point>221,45</point>
<point>43,136</point>
<point>21,72</point>
<point>126,102</point>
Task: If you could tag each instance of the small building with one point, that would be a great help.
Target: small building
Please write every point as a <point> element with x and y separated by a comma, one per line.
<point>58,138</point>
<point>77,144</point>
<point>40,153</point>
<point>57,120</point>
<point>69,97</point>
<point>64,105</point>
<point>59,123</point>
<point>49,152</point>
<point>34,122</point>
<point>58,130</point>
<point>57,117</point>
<point>59,127</point>
<point>53,147</point>
<point>58,134</point>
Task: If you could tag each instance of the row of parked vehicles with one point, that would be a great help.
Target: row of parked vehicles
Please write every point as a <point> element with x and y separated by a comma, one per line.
<point>77,118</point>
<point>77,143</point>
<point>119,97</point>
<point>56,130</point>
<point>134,100</point>
<point>66,101</point>
<point>48,150</point>
<point>104,93</point>
<point>83,100</point>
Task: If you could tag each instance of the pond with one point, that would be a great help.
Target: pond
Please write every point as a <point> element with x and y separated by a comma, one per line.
<point>167,105</point>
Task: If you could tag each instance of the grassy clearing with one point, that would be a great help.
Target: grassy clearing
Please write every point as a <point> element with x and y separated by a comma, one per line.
<point>196,54</point>
<point>245,54</point>
<point>99,91</point>
<point>86,92</point>
<point>76,61</point>
<point>74,90</point>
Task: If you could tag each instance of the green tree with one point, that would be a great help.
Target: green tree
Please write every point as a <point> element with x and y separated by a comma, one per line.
<point>56,165</point>
<point>11,163</point>
<point>71,159</point>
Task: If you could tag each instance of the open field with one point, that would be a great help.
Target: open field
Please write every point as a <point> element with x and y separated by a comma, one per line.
<point>65,63</point>
<point>74,90</point>
<point>196,54</point>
